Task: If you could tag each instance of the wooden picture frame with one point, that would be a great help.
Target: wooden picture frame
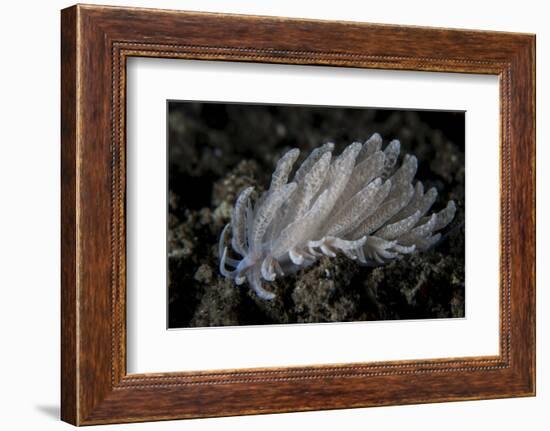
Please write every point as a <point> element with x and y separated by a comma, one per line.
<point>95,43</point>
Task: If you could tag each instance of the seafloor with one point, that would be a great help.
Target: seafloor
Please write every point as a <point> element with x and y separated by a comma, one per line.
<point>215,150</point>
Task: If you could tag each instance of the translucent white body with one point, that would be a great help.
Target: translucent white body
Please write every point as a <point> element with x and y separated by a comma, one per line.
<point>356,203</point>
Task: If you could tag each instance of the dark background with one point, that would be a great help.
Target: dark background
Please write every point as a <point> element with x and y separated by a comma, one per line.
<point>217,149</point>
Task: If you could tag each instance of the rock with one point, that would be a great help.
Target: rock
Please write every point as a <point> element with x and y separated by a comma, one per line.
<point>203,274</point>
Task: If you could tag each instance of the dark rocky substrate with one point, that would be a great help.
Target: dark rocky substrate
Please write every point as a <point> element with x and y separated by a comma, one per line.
<point>215,150</point>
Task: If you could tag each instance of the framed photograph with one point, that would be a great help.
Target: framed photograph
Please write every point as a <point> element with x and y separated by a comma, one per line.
<point>264,214</point>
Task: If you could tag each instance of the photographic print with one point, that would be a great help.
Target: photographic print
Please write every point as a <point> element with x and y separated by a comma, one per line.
<point>282,214</point>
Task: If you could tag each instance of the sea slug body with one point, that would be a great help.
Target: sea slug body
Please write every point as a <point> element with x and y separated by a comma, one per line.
<point>357,204</point>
